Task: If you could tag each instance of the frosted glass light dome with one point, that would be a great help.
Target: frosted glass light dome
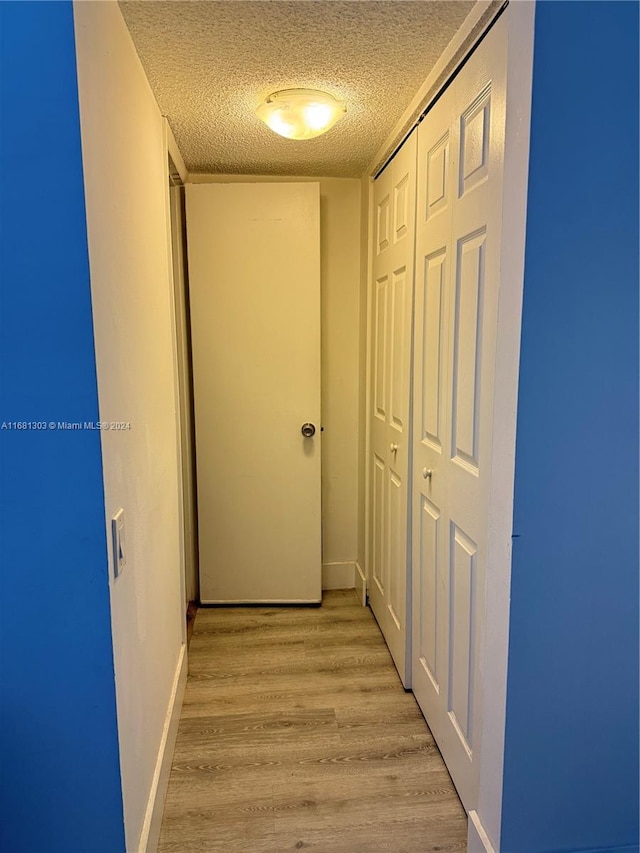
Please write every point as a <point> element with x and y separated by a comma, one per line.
<point>301,113</point>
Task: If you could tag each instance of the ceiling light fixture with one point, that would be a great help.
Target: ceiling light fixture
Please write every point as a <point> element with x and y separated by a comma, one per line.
<point>301,113</point>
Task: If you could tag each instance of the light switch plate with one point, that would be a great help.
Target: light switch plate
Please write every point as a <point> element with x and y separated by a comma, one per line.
<point>119,543</point>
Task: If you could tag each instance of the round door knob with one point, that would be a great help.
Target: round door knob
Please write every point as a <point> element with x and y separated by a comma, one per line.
<point>393,447</point>
<point>308,430</point>
<point>427,473</point>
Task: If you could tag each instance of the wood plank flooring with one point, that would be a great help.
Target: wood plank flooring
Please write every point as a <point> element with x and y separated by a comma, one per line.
<point>296,734</point>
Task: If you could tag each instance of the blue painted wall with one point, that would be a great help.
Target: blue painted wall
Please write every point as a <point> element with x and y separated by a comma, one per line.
<point>59,766</point>
<point>571,761</point>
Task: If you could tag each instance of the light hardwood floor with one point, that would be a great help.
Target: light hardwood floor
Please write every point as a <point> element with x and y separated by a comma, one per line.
<point>296,734</point>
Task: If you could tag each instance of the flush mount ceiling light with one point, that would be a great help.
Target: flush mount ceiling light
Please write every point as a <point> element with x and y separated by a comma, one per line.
<point>301,113</point>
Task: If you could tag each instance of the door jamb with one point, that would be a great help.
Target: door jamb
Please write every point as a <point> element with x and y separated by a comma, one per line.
<point>172,152</point>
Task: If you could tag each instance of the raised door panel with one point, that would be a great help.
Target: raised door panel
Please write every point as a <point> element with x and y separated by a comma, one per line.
<point>383,224</point>
<point>397,548</point>
<point>427,587</point>
<point>467,350</point>
<point>438,177</point>
<point>462,583</point>
<point>401,208</point>
<point>380,349</point>
<point>398,350</point>
<point>378,555</point>
<point>475,124</point>
<point>431,329</point>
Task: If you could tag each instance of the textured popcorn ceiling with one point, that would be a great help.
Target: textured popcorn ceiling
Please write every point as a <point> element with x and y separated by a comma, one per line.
<point>210,63</point>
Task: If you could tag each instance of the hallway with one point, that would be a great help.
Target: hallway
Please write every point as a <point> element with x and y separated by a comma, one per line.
<point>296,734</point>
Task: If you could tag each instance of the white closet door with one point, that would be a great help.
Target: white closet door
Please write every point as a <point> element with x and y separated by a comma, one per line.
<point>460,164</point>
<point>392,295</point>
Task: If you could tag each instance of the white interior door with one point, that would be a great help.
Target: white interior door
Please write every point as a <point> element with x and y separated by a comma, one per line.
<point>460,166</point>
<point>394,194</point>
<point>254,275</point>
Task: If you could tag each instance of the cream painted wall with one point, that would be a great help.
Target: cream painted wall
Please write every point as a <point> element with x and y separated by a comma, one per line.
<point>340,259</point>
<point>126,187</point>
<point>341,363</point>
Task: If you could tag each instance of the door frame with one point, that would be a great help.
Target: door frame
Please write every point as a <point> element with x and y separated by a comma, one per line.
<point>180,275</point>
<point>484,822</point>
<point>183,439</point>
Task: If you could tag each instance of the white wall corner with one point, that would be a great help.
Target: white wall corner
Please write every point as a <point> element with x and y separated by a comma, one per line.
<point>477,839</point>
<point>339,575</point>
<point>150,835</point>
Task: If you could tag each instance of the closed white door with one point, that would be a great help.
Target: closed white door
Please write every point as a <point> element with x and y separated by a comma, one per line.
<point>392,295</point>
<point>254,277</point>
<point>460,165</point>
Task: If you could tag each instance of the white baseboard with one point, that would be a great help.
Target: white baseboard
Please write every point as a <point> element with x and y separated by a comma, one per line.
<point>361,584</point>
<point>477,839</point>
<point>339,575</point>
<point>155,805</point>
